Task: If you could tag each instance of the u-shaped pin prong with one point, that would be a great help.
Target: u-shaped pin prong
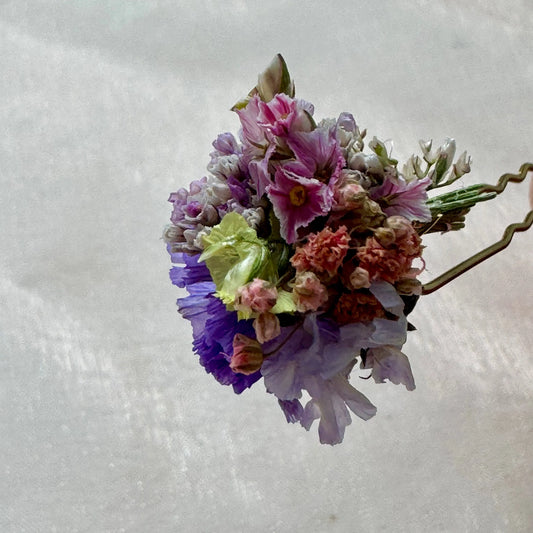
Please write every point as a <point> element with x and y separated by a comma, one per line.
<point>498,246</point>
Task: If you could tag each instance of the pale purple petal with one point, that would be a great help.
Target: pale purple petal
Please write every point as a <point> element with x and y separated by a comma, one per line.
<point>346,122</point>
<point>399,197</point>
<point>388,332</point>
<point>252,131</point>
<point>258,170</point>
<point>388,362</point>
<point>292,409</point>
<point>319,153</point>
<point>358,403</point>
<point>329,399</point>
<point>225,144</point>
<point>387,296</point>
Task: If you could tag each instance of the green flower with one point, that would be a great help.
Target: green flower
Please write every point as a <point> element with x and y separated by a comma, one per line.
<point>235,255</point>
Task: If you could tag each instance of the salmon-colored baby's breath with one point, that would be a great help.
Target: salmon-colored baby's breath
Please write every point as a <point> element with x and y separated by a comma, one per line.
<point>357,307</point>
<point>393,262</point>
<point>324,252</point>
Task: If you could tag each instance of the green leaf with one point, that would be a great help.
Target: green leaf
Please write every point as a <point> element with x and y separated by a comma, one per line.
<point>284,304</point>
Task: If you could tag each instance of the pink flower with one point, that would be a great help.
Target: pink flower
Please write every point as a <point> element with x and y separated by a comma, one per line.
<point>258,296</point>
<point>407,239</point>
<point>267,327</point>
<point>253,133</point>
<point>297,201</point>
<point>323,252</point>
<point>394,261</point>
<point>259,173</point>
<point>308,292</point>
<point>318,155</point>
<point>405,198</point>
<point>283,114</point>
<point>247,355</point>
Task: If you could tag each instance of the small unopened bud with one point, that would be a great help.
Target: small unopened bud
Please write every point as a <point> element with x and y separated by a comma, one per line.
<point>400,225</point>
<point>445,155</point>
<point>447,150</point>
<point>385,236</point>
<point>462,165</point>
<point>409,287</point>
<point>275,79</point>
<point>308,292</point>
<point>173,233</point>
<point>257,296</point>
<point>360,279</point>
<point>425,146</point>
<point>267,327</point>
<point>247,355</point>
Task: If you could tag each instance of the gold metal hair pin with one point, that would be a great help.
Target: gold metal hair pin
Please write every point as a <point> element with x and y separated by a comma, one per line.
<point>498,246</point>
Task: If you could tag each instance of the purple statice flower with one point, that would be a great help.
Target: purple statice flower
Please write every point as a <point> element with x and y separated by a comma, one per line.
<point>388,362</point>
<point>181,198</point>
<point>329,402</point>
<point>213,325</point>
<point>240,191</point>
<point>345,123</point>
<point>405,198</point>
<point>226,160</point>
<point>195,209</point>
<point>225,144</point>
<point>316,359</point>
<point>318,356</point>
<point>193,307</point>
<point>292,409</point>
<point>191,272</point>
<point>214,344</point>
<point>297,201</point>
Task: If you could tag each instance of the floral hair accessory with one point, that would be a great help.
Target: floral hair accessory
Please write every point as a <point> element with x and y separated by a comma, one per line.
<point>300,252</point>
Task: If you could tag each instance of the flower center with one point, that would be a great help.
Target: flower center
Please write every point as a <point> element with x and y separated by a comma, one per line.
<point>297,195</point>
<point>322,175</point>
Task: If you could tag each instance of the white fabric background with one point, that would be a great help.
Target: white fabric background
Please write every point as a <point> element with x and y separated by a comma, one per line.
<point>107,422</point>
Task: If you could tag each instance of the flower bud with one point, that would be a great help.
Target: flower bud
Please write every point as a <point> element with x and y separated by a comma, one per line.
<point>258,296</point>
<point>412,169</point>
<point>247,355</point>
<point>462,165</point>
<point>409,286</point>
<point>385,236</point>
<point>349,196</point>
<point>360,279</point>
<point>445,155</point>
<point>267,327</point>
<point>401,226</point>
<point>173,233</point>
<point>425,146</point>
<point>308,292</point>
<point>275,79</point>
